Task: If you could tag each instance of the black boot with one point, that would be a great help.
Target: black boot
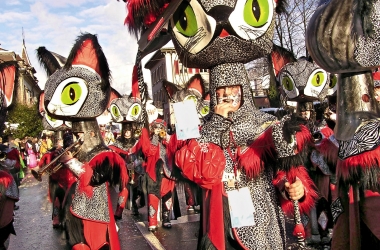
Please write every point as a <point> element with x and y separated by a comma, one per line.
<point>166,207</point>
<point>135,210</point>
<point>166,219</point>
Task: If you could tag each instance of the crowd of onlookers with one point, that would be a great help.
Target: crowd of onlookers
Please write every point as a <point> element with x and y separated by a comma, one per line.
<point>30,149</point>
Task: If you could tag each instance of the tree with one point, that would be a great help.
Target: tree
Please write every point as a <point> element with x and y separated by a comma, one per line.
<point>28,118</point>
<point>291,26</point>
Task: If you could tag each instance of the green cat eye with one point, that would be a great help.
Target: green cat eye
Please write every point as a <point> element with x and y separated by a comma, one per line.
<point>256,12</point>
<point>185,20</point>
<point>205,110</point>
<point>192,98</point>
<point>135,110</point>
<point>71,93</point>
<point>115,111</point>
<point>287,83</point>
<point>318,79</point>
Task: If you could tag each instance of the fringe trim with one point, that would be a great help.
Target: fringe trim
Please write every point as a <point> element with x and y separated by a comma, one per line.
<point>5,181</point>
<point>304,138</point>
<point>349,168</point>
<point>115,162</point>
<point>262,149</point>
<point>311,195</point>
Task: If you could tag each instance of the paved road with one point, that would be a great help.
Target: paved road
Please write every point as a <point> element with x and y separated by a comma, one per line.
<point>34,229</point>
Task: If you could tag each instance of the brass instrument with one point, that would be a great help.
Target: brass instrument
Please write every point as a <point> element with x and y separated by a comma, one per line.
<point>51,168</point>
<point>162,133</point>
<point>137,133</point>
<point>131,172</point>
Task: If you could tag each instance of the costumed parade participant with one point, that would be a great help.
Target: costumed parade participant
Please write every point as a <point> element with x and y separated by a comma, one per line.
<point>241,151</point>
<point>8,188</point>
<point>160,182</point>
<point>194,90</point>
<point>351,51</point>
<point>304,83</point>
<point>60,179</point>
<point>127,111</point>
<point>79,92</point>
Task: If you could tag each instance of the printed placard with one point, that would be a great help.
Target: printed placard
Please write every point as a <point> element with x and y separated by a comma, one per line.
<point>187,121</point>
<point>241,208</point>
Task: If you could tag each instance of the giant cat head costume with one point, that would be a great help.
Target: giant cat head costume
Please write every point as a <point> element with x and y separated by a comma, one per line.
<point>80,90</point>
<point>217,35</point>
<point>51,62</point>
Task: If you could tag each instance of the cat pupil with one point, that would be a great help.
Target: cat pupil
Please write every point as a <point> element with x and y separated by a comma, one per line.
<point>72,94</point>
<point>256,9</point>
<point>183,22</point>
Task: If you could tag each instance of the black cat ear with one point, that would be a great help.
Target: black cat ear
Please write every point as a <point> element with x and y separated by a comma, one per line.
<point>171,88</point>
<point>87,51</point>
<point>280,57</point>
<point>196,82</point>
<point>50,61</point>
<point>114,95</point>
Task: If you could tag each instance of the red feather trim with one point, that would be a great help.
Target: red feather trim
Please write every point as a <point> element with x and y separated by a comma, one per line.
<point>135,83</point>
<point>328,150</point>
<point>115,161</point>
<point>145,141</point>
<point>252,159</point>
<point>5,179</point>
<point>173,146</point>
<point>299,230</point>
<point>142,13</point>
<point>311,195</point>
<point>118,150</point>
<point>304,138</point>
<point>348,167</point>
<point>326,131</point>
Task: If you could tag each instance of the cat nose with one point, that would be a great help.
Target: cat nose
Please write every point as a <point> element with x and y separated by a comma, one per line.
<point>220,13</point>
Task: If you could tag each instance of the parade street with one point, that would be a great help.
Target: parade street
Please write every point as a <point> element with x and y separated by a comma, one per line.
<point>34,228</point>
<point>35,231</point>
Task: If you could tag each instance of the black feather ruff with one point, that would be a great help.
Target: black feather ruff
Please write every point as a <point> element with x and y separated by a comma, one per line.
<point>281,6</point>
<point>292,126</point>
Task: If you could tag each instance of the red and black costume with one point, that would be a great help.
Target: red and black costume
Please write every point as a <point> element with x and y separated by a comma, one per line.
<point>160,185</point>
<point>82,90</point>
<point>129,149</point>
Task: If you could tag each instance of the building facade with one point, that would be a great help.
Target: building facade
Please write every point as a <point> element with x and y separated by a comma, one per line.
<point>26,90</point>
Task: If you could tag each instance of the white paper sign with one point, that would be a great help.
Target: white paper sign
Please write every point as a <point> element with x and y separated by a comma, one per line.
<point>187,121</point>
<point>241,208</point>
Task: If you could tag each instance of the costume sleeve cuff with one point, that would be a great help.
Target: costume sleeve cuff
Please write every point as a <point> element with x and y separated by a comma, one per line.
<point>75,166</point>
<point>310,194</point>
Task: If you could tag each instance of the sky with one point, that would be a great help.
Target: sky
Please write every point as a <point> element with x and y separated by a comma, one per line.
<point>56,24</point>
